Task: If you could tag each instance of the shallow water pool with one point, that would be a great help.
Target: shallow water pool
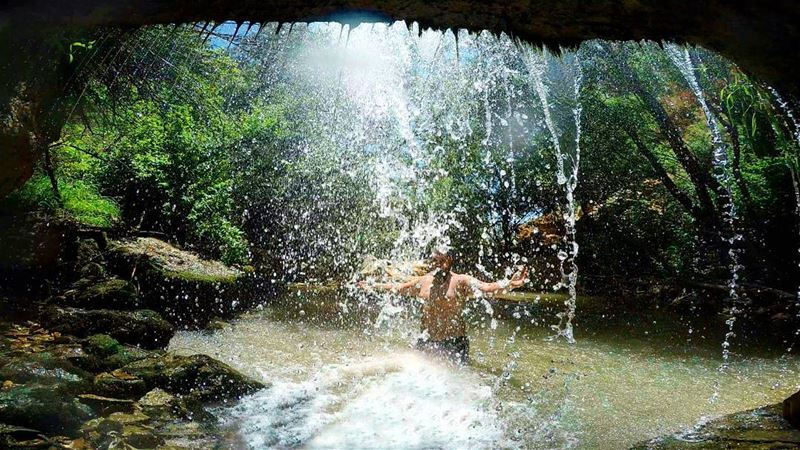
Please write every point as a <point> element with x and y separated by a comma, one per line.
<point>343,375</point>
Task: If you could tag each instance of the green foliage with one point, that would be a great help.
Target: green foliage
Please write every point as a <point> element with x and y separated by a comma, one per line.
<point>161,148</point>
<point>196,142</point>
<point>76,45</point>
<point>79,199</point>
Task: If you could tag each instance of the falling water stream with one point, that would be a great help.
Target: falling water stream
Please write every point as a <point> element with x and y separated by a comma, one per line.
<point>567,166</point>
<point>682,59</point>
<point>792,166</point>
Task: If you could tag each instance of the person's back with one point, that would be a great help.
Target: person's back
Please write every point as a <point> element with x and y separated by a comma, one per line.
<point>444,327</point>
<point>444,294</point>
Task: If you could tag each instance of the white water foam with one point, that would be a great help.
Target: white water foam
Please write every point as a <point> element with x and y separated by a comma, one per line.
<point>396,401</point>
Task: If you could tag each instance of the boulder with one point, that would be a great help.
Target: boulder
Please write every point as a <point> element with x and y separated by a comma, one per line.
<point>12,437</point>
<point>762,428</point>
<point>112,294</point>
<point>187,289</point>
<point>118,384</point>
<point>44,369</point>
<point>158,419</point>
<point>87,251</point>
<point>144,328</point>
<point>44,408</point>
<point>164,408</point>
<point>106,405</point>
<point>198,376</point>
<point>92,270</point>
<point>102,353</point>
<point>34,246</point>
<point>122,431</point>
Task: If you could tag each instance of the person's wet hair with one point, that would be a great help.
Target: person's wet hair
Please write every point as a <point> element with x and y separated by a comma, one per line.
<point>440,259</point>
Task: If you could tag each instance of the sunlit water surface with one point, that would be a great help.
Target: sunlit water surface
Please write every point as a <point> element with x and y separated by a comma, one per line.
<point>351,380</point>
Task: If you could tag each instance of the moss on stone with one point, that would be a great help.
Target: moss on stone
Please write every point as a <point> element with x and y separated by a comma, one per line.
<point>171,262</point>
<point>102,345</point>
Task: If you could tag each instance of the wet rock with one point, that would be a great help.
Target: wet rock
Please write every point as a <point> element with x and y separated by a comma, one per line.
<point>161,404</point>
<point>112,293</point>
<point>791,409</point>
<point>140,437</point>
<point>118,384</point>
<point>187,289</point>
<point>762,428</point>
<point>44,369</point>
<point>106,405</point>
<point>165,408</point>
<point>44,408</point>
<point>217,325</point>
<point>33,246</point>
<point>13,437</point>
<point>121,430</point>
<point>87,251</point>
<point>144,328</point>
<point>158,419</point>
<point>102,353</point>
<point>92,270</point>
<point>181,421</point>
<point>102,345</point>
<point>198,376</point>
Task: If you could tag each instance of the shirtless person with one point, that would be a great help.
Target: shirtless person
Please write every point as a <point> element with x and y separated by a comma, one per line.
<point>444,294</point>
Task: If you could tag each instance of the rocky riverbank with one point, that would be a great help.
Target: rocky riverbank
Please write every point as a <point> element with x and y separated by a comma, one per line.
<point>82,360</point>
<point>761,428</point>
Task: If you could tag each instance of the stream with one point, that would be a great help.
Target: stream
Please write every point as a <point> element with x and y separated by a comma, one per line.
<point>343,375</point>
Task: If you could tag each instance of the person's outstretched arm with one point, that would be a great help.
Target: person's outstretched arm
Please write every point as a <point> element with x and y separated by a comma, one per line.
<point>410,287</point>
<point>473,285</point>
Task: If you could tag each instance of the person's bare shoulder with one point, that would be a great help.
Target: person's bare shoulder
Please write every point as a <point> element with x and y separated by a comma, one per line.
<point>460,279</point>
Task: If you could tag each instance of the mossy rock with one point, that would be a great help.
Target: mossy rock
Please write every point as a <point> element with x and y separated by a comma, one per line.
<point>760,428</point>
<point>44,369</point>
<point>102,345</point>
<point>121,430</point>
<point>112,293</point>
<point>43,408</point>
<point>168,261</point>
<point>14,437</point>
<point>143,328</point>
<point>118,384</point>
<point>197,376</point>
<point>187,289</point>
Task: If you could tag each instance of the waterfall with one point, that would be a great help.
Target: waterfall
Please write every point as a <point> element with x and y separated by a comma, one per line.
<point>682,60</point>
<point>795,183</point>
<point>567,176</point>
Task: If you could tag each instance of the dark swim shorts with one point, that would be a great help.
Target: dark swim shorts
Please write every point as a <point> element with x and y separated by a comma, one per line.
<point>455,349</point>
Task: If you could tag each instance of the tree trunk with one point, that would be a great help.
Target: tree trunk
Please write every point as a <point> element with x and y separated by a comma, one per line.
<point>662,175</point>
<point>704,183</point>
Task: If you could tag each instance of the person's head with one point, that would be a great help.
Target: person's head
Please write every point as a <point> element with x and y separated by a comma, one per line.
<point>439,259</point>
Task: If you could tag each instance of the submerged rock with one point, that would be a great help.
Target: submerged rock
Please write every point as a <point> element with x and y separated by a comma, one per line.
<point>198,376</point>
<point>187,289</point>
<point>762,428</point>
<point>144,328</point>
